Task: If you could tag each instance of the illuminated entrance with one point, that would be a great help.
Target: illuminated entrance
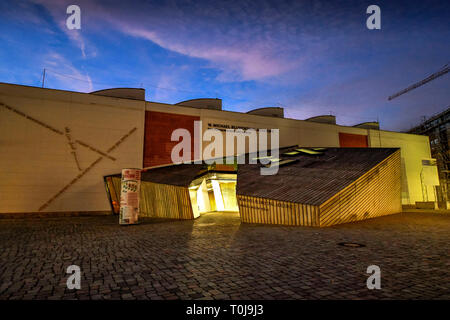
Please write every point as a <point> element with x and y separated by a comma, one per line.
<point>214,190</point>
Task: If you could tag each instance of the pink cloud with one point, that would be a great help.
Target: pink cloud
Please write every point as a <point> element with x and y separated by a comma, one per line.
<point>248,64</point>
<point>237,51</point>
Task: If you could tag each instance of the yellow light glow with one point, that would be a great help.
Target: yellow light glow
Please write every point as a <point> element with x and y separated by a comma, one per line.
<point>258,158</point>
<point>200,200</point>
<point>308,151</point>
<point>217,195</point>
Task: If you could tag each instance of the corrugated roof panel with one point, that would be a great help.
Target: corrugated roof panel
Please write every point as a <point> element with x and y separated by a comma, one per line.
<point>312,179</point>
<point>177,175</point>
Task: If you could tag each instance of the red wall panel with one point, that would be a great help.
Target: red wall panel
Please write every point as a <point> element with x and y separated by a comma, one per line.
<point>349,140</point>
<point>158,130</point>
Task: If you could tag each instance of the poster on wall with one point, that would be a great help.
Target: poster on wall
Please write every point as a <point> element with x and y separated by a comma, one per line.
<point>129,196</point>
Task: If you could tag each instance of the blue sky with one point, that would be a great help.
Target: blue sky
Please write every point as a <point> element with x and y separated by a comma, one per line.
<point>310,57</point>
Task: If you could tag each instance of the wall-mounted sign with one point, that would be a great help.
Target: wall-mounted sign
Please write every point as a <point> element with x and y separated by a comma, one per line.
<point>129,196</point>
<point>224,127</point>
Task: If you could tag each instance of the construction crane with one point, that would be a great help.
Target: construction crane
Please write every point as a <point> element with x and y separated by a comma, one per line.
<point>435,75</point>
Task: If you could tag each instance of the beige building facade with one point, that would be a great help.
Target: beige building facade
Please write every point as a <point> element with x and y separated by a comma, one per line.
<point>57,145</point>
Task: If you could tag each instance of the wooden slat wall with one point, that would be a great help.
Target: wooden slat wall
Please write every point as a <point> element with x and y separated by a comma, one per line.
<point>376,193</point>
<point>117,184</point>
<point>165,201</point>
<point>267,211</point>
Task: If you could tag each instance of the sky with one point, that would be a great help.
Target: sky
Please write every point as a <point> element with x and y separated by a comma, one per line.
<point>309,57</point>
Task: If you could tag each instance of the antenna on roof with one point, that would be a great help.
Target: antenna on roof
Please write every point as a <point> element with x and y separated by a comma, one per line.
<point>43,78</point>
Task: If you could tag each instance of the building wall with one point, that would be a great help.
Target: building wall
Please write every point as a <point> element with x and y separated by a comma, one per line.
<point>37,163</point>
<point>228,190</point>
<point>310,134</point>
<point>376,193</point>
<point>437,128</point>
<point>165,201</point>
<point>440,150</point>
<point>46,168</point>
<point>113,185</point>
<point>414,148</point>
<point>268,211</point>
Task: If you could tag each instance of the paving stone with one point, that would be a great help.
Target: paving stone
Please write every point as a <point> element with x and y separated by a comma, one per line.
<point>217,257</point>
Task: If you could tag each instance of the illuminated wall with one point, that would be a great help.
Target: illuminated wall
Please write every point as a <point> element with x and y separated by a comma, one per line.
<point>268,211</point>
<point>56,146</point>
<point>214,192</point>
<point>202,198</point>
<point>165,201</point>
<point>374,194</point>
<point>414,148</point>
<point>229,196</point>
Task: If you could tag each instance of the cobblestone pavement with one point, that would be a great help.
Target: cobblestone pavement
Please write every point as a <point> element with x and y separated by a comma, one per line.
<point>217,257</point>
